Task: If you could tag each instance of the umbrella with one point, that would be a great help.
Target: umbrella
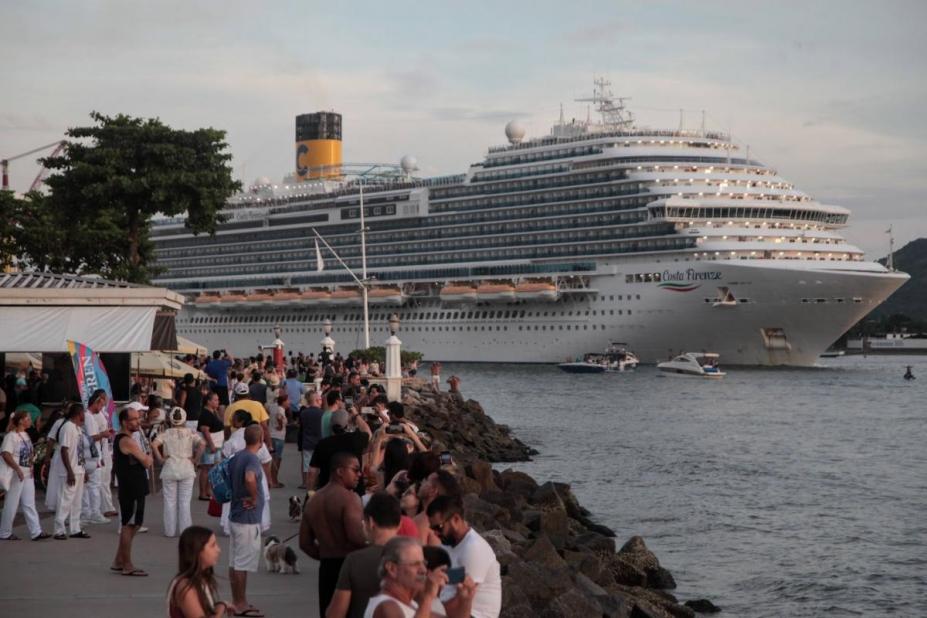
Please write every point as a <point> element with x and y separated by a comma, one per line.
<point>21,359</point>
<point>185,346</point>
<point>162,365</point>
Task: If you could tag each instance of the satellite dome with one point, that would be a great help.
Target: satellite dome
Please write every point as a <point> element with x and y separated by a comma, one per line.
<point>515,131</point>
<point>409,164</point>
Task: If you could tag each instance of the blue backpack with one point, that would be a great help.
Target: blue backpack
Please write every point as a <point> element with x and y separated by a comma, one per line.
<point>220,479</point>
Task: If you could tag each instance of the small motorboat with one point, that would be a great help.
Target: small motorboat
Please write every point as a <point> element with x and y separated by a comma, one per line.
<point>616,358</point>
<point>832,353</point>
<point>692,365</point>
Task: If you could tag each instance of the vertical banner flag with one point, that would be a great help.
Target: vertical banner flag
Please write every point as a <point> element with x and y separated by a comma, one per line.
<point>319,262</point>
<point>91,375</point>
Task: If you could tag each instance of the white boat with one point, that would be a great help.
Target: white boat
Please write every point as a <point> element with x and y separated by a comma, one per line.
<point>833,353</point>
<point>615,359</point>
<point>693,364</point>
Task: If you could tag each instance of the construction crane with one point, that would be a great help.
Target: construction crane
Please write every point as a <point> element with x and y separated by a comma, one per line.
<point>5,164</point>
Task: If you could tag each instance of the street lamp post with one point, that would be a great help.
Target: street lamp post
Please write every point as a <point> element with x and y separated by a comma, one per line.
<point>393,361</point>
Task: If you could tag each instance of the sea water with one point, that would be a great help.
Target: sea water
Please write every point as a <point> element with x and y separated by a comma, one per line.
<point>771,492</point>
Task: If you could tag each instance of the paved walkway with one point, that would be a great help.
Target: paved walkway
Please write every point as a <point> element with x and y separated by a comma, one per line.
<point>72,578</point>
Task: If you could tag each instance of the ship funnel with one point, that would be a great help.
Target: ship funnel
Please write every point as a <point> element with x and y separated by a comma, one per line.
<point>318,145</point>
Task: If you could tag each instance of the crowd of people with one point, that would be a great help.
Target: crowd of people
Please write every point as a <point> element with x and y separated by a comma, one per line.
<point>383,512</point>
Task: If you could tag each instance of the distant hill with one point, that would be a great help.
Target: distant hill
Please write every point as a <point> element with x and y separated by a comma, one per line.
<point>911,298</point>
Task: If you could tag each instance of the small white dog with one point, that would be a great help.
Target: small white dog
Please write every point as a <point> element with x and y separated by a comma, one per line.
<point>279,558</point>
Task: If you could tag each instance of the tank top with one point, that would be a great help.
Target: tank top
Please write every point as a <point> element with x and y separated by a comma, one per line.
<point>173,611</point>
<point>129,471</point>
<point>407,610</point>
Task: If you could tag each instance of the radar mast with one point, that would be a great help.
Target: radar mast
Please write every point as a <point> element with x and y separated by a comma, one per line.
<point>614,115</point>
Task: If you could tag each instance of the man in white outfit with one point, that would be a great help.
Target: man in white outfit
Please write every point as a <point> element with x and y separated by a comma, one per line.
<point>69,464</point>
<point>97,432</point>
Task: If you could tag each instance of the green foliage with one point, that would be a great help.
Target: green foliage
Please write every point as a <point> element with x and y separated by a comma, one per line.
<point>111,180</point>
<point>378,353</point>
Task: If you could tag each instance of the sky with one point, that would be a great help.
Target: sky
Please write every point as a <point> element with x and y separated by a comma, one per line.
<point>831,94</point>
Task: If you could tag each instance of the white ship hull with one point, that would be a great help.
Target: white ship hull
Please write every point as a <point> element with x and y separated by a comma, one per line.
<point>808,304</point>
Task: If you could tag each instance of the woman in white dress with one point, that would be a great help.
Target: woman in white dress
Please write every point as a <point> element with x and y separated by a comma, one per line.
<point>235,443</point>
<point>178,449</point>
<point>18,454</point>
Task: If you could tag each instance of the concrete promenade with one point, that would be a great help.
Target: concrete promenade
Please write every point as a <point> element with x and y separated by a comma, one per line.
<point>72,578</point>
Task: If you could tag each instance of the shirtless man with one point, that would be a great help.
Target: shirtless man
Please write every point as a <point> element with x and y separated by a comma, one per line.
<point>332,524</point>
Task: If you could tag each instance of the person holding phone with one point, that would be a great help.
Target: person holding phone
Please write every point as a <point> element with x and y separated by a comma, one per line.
<point>469,550</point>
<point>437,559</point>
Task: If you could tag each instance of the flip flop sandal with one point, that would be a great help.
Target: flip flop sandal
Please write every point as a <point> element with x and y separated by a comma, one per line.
<point>253,612</point>
<point>115,569</point>
<point>135,573</point>
<point>80,535</point>
<point>12,537</point>
<point>41,537</point>
<point>61,537</point>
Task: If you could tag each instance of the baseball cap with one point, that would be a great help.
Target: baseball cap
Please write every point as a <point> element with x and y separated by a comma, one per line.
<point>242,389</point>
<point>134,405</point>
<point>340,418</point>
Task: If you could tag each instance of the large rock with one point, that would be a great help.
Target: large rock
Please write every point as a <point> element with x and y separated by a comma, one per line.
<point>625,573</point>
<point>635,552</point>
<point>518,483</point>
<point>593,541</point>
<point>540,584</point>
<point>555,524</point>
<point>702,606</point>
<point>544,553</point>
<point>483,515</point>
<point>572,604</point>
<point>498,541</point>
<point>481,472</point>
<point>546,498</point>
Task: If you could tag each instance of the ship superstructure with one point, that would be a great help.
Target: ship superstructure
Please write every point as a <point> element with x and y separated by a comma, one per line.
<point>669,240</point>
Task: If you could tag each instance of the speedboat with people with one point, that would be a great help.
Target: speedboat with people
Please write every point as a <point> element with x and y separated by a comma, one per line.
<point>617,357</point>
<point>693,364</point>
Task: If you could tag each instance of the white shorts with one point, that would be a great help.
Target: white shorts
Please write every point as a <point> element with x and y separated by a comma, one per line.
<point>244,546</point>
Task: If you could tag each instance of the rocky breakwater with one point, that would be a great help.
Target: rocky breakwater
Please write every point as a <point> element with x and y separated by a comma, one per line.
<point>555,560</point>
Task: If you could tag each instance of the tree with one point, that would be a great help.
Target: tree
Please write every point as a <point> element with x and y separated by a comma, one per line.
<point>113,178</point>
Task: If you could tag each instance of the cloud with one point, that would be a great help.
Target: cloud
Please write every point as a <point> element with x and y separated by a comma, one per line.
<point>456,114</point>
<point>589,36</point>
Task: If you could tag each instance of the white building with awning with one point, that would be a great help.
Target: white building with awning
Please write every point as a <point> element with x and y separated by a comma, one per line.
<point>40,312</point>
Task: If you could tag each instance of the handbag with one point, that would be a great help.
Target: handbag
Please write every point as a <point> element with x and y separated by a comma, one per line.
<point>214,508</point>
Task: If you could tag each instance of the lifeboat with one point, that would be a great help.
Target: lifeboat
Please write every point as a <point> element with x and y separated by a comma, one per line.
<point>286,297</point>
<point>207,299</point>
<point>536,290</point>
<point>234,297</point>
<point>492,291</point>
<point>385,296</point>
<point>458,293</point>
<point>345,297</point>
<point>256,298</point>
<point>315,296</point>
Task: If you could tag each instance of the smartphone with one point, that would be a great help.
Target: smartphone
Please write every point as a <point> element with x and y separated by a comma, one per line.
<point>394,428</point>
<point>456,575</point>
<point>446,458</point>
<point>349,401</point>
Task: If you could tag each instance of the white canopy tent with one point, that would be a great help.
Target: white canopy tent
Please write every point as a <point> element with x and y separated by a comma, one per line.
<point>40,312</point>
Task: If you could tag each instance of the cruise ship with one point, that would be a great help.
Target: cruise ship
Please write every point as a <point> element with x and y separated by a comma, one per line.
<point>550,247</point>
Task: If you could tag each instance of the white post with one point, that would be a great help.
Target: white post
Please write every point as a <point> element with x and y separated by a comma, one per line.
<point>393,362</point>
<point>364,269</point>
